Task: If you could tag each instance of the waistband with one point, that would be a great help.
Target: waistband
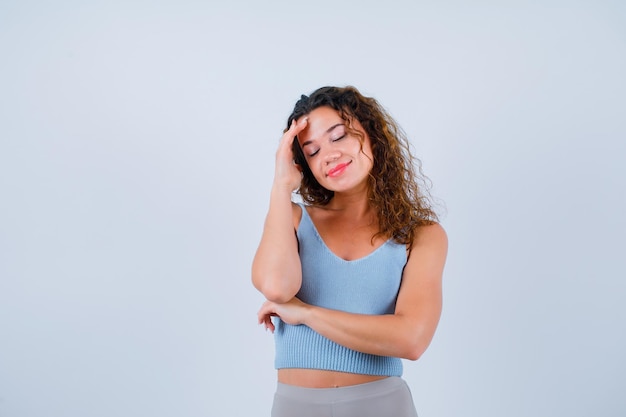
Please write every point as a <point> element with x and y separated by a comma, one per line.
<point>351,392</point>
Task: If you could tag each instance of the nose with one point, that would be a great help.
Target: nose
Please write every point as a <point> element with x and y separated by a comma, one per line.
<point>331,156</point>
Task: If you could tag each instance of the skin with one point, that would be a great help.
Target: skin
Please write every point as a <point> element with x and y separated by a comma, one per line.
<point>341,162</point>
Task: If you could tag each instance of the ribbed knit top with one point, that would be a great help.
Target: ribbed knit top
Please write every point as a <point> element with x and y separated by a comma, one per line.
<point>368,285</point>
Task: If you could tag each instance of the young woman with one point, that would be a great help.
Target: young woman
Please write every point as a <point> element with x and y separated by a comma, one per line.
<point>353,275</point>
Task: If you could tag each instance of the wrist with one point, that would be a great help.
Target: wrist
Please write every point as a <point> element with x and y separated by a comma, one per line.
<point>309,314</point>
<point>282,190</point>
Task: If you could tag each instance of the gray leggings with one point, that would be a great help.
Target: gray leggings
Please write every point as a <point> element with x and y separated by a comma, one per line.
<point>386,397</point>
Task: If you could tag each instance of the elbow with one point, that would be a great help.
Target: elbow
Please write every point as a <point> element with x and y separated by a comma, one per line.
<point>415,348</point>
<point>414,354</point>
<point>279,283</point>
<point>274,292</point>
<point>278,297</point>
<point>414,339</point>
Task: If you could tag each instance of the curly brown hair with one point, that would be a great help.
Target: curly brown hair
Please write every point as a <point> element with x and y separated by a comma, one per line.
<point>398,190</point>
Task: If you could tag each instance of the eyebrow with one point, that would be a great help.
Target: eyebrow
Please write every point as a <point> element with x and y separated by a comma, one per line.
<point>330,129</point>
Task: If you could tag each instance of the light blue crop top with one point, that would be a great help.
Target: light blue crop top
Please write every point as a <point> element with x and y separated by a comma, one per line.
<point>368,285</point>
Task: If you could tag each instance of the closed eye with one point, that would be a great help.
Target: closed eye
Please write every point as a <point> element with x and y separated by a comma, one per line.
<point>339,138</point>
<point>311,155</point>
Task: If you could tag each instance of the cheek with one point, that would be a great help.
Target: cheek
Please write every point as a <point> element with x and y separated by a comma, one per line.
<point>314,170</point>
<point>366,150</point>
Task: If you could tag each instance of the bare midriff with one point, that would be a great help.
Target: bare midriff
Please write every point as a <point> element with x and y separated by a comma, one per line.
<point>317,378</point>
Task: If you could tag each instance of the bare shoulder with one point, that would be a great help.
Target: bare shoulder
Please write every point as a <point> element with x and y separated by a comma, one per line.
<point>430,245</point>
<point>421,291</point>
<point>296,210</point>
<point>430,235</point>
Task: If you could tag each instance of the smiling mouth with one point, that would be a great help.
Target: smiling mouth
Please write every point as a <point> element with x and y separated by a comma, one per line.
<point>337,170</point>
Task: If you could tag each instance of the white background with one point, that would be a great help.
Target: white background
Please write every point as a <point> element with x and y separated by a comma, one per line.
<point>136,154</point>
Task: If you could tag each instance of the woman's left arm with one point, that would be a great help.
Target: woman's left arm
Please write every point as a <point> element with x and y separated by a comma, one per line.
<point>404,334</point>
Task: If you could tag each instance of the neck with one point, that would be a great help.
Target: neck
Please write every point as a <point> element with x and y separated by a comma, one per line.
<point>357,204</point>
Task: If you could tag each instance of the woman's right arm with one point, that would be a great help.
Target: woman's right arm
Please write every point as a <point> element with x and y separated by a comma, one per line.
<point>276,270</point>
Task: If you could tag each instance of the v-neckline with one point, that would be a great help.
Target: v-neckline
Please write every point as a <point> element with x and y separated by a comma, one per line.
<point>327,248</point>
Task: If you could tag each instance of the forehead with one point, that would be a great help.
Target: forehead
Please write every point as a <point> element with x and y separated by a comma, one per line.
<point>320,120</point>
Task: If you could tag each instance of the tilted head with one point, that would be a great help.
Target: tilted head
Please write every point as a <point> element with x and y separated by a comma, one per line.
<point>393,181</point>
<point>377,124</point>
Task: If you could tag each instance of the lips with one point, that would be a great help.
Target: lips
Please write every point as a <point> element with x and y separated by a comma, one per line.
<point>337,169</point>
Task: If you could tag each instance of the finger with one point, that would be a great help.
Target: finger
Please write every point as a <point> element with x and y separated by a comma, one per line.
<point>265,310</point>
<point>269,324</point>
<point>262,316</point>
<point>300,125</point>
<point>295,128</point>
<point>266,320</point>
